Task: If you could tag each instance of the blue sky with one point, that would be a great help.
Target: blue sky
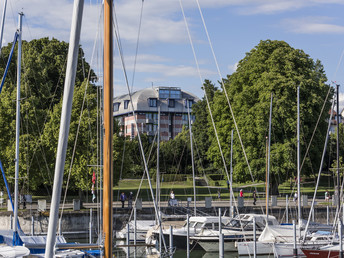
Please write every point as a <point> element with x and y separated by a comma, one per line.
<point>164,55</point>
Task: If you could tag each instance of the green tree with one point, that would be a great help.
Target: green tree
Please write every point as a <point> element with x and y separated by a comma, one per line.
<point>202,126</point>
<point>42,81</point>
<point>271,67</point>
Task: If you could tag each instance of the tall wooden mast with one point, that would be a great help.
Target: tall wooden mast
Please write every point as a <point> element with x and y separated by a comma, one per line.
<point>108,131</point>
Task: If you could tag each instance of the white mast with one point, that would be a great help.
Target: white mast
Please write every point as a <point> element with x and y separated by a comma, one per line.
<point>268,165</point>
<point>16,177</point>
<point>192,156</point>
<point>2,23</point>
<point>64,125</point>
<point>298,158</point>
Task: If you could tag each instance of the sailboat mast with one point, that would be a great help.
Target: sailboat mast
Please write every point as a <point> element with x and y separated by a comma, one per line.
<point>108,131</point>
<point>268,164</point>
<point>68,91</point>
<point>158,161</point>
<point>338,179</point>
<point>16,177</point>
<point>2,23</point>
<point>192,157</point>
<point>298,158</point>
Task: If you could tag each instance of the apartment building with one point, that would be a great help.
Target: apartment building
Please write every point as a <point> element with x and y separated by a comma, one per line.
<point>171,102</point>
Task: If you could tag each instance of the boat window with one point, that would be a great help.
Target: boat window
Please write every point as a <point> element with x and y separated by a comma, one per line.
<point>209,225</point>
<point>198,225</point>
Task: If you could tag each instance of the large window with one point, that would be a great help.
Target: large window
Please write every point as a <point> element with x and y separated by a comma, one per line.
<point>188,103</point>
<point>116,106</point>
<point>173,93</point>
<point>153,102</point>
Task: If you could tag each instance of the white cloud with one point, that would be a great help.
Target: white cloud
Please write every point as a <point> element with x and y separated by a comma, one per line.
<point>232,68</point>
<point>312,25</point>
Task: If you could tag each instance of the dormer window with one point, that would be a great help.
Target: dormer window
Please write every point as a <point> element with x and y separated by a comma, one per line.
<point>116,106</point>
<point>126,103</point>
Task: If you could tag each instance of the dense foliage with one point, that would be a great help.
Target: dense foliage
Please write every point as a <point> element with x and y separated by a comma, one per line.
<point>271,67</point>
<point>42,81</point>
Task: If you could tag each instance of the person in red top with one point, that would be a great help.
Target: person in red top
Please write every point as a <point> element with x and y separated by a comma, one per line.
<point>241,193</point>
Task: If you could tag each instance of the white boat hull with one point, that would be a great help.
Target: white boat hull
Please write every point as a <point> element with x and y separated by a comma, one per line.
<point>247,248</point>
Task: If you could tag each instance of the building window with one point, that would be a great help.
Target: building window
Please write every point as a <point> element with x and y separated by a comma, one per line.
<point>149,115</point>
<point>126,103</point>
<point>171,103</point>
<point>116,106</point>
<point>185,117</point>
<point>155,116</point>
<point>150,127</point>
<point>190,101</point>
<point>153,102</point>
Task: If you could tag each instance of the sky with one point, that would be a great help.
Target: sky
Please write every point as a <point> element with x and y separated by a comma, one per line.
<point>222,32</point>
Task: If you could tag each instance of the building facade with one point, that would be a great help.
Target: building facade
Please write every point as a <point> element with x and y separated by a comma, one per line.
<point>171,102</point>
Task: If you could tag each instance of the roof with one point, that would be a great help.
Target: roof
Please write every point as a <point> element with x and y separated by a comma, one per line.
<point>141,100</point>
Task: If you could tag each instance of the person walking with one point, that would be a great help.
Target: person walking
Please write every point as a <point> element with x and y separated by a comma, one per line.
<point>130,200</point>
<point>327,196</point>
<point>241,194</point>
<point>122,198</point>
<point>254,197</point>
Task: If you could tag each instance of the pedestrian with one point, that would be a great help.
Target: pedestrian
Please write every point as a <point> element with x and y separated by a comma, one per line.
<point>254,197</point>
<point>327,196</point>
<point>122,198</point>
<point>295,196</point>
<point>241,194</point>
<point>219,194</point>
<point>172,195</point>
<point>228,184</point>
<point>130,200</point>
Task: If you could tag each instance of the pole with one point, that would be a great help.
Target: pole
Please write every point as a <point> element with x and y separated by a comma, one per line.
<point>298,159</point>
<point>254,238</point>
<point>221,244</point>
<point>72,62</point>
<point>135,227</point>
<point>327,215</point>
<point>128,240</point>
<point>192,156</point>
<point>32,226</point>
<point>16,178</point>
<point>90,227</point>
<point>338,180</point>
<point>268,163</point>
<point>108,131</point>
<point>230,180</point>
<point>187,236</point>
<point>295,247</point>
<point>158,161</point>
<point>2,23</point>
<point>171,242</point>
<point>286,209</point>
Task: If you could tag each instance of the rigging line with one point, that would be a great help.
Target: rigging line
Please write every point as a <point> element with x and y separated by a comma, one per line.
<point>137,47</point>
<point>209,108</point>
<point>120,174</point>
<point>143,177</point>
<point>339,62</point>
<point>320,169</point>
<point>316,126</point>
<point>225,91</point>
<point>138,133</point>
<point>80,117</point>
<point>37,144</point>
